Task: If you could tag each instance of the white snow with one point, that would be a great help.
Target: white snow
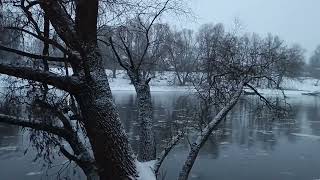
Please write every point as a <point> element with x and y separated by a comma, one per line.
<point>8,148</point>
<point>145,170</point>
<point>294,87</point>
<point>306,135</point>
<point>163,82</point>
<point>225,143</point>
<point>33,173</point>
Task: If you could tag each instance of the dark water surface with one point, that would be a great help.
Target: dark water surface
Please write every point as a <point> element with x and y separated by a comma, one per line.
<point>248,145</point>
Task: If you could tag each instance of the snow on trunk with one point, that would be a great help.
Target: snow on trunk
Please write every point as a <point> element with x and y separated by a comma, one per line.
<point>109,142</point>
<point>147,148</point>
<point>145,170</point>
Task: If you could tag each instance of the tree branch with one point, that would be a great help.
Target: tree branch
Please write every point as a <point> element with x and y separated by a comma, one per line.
<point>166,151</point>
<point>62,23</point>
<point>260,96</point>
<point>68,155</point>
<point>147,29</point>
<point>34,56</point>
<point>46,40</point>
<point>117,55</point>
<point>59,131</point>
<point>29,16</point>
<point>55,110</point>
<point>61,82</point>
<point>128,52</point>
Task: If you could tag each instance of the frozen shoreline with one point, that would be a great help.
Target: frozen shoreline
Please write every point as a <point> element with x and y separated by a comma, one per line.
<point>164,83</point>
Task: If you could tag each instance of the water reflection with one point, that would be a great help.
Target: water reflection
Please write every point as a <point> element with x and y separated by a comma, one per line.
<point>251,143</point>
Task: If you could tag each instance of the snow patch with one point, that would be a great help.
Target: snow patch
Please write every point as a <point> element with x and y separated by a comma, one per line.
<point>163,82</point>
<point>8,148</point>
<point>225,143</point>
<point>8,137</point>
<point>145,170</point>
<point>306,135</point>
<point>33,173</point>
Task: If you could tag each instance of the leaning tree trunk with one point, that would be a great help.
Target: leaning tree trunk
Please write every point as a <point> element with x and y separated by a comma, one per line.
<point>147,148</point>
<point>181,82</point>
<point>205,134</point>
<point>108,139</point>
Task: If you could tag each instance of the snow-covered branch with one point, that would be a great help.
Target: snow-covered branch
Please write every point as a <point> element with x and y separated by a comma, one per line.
<point>206,132</point>
<point>13,120</point>
<point>60,82</point>
<point>166,151</point>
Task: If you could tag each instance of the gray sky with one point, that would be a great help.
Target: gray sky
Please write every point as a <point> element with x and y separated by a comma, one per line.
<point>296,21</point>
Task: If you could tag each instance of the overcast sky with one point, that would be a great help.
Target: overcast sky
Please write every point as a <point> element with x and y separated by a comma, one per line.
<point>296,21</point>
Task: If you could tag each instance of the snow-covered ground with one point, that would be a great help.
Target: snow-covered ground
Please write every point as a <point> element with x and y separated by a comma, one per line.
<point>294,87</point>
<point>165,82</point>
<point>145,170</point>
<point>162,82</point>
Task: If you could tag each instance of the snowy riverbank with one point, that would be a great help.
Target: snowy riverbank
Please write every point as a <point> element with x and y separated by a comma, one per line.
<point>165,82</point>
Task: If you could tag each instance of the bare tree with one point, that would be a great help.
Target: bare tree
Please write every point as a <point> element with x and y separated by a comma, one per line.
<point>231,63</point>
<point>289,61</point>
<point>314,64</point>
<point>183,55</point>
<point>138,49</point>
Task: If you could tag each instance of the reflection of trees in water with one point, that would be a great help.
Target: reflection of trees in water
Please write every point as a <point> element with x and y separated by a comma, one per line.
<point>9,135</point>
<point>174,119</point>
<point>249,124</point>
<point>37,146</point>
<point>9,138</point>
<point>128,112</point>
<point>264,127</point>
<point>252,125</point>
<point>313,116</point>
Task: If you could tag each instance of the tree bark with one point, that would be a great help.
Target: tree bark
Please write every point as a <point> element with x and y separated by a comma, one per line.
<point>147,148</point>
<point>108,139</point>
<point>83,157</point>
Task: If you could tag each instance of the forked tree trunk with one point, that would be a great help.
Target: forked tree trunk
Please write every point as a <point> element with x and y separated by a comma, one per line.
<point>181,82</point>
<point>112,152</point>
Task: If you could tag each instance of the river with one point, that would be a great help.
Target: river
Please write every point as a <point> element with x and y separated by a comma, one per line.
<point>250,144</point>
